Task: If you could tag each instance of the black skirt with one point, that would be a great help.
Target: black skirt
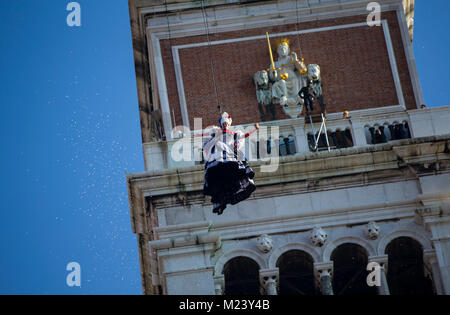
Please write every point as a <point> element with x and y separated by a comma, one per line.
<point>228,182</point>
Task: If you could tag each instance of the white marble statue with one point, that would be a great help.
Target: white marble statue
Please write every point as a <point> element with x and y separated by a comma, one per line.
<point>290,66</point>
<point>287,76</point>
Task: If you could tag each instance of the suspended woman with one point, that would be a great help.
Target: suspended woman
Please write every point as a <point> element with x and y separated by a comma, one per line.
<point>228,177</point>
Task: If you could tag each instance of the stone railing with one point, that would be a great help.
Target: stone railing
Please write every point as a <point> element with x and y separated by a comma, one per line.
<point>295,136</point>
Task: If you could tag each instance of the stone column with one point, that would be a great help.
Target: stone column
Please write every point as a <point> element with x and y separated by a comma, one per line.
<point>324,274</point>
<point>431,262</point>
<point>301,138</point>
<point>219,285</point>
<point>383,289</point>
<point>269,281</point>
<point>358,132</point>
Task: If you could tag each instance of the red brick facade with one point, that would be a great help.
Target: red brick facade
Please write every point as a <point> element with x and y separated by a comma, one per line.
<point>356,71</point>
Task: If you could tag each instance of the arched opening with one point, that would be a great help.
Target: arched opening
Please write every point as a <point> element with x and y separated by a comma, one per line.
<point>406,268</point>
<point>296,273</point>
<point>241,277</point>
<point>291,145</point>
<point>350,271</point>
<point>287,146</point>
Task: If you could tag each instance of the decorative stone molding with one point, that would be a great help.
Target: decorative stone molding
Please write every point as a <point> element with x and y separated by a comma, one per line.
<point>318,236</point>
<point>280,250</point>
<point>416,235</point>
<point>331,246</point>
<point>269,281</point>
<point>372,231</point>
<point>221,262</point>
<point>264,243</point>
<point>188,240</point>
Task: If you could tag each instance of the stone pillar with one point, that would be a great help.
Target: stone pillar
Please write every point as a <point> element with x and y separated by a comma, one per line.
<point>185,263</point>
<point>269,281</point>
<point>358,131</point>
<point>383,289</point>
<point>301,138</point>
<point>324,274</point>
<point>431,263</point>
<point>219,285</point>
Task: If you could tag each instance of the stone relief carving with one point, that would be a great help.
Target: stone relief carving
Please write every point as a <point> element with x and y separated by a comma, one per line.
<point>264,243</point>
<point>318,236</point>
<point>372,230</point>
<point>281,83</point>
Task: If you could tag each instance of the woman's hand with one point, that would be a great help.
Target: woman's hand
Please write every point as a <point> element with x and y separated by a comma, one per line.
<point>257,126</point>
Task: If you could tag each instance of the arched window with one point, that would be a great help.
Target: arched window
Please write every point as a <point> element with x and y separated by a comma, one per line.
<point>287,146</point>
<point>296,273</point>
<point>406,268</point>
<point>291,144</point>
<point>337,139</point>
<point>264,149</point>
<point>350,271</point>
<point>241,277</point>
<point>387,132</point>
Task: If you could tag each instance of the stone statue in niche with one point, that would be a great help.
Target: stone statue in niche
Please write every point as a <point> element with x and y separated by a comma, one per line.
<point>264,243</point>
<point>287,76</point>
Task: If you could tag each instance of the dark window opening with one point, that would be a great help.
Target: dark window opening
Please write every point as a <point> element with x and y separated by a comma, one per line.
<point>337,139</point>
<point>241,277</point>
<point>296,273</point>
<point>383,134</point>
<point>350,271</point>
<point>406,268</point>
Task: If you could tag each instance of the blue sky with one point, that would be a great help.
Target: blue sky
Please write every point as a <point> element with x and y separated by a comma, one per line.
<point>70,132</point>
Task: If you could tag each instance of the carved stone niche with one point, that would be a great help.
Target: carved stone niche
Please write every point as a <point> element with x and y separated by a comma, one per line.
<point>318,236</point>
<point>264,243</point>
<point>372,230</point>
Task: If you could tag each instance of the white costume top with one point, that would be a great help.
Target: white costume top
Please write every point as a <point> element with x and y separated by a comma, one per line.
<point>221,146</point>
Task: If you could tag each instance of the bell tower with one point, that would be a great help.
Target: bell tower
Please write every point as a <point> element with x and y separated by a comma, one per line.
<point>340,195</point>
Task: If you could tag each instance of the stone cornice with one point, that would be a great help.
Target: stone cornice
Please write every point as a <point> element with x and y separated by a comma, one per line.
<point>305,166</point>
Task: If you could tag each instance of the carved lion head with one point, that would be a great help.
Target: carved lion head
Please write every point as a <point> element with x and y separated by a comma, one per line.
<point>314,72</point>
<point>264,243</point>
<point>261,78</point>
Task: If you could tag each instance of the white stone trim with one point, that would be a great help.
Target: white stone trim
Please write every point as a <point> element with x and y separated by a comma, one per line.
<point>419,237</point>
<point>221,262</point>
<point>410,57</point>
<point>277,253</point>
<point>238,17</point>
<point>330,247</point>
<point>162,87</point>
<point>393,61</point>
<point>180,87</point>
<point>306,221</point>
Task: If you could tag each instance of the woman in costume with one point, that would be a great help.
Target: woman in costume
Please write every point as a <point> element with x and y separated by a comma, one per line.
<point>228,177</point>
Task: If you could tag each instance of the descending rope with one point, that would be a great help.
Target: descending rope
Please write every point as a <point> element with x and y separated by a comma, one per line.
<point>205,19</point>
<point>297,32</point>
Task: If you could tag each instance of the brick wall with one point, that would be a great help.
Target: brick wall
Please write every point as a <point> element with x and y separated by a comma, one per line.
<point>355,66</point>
